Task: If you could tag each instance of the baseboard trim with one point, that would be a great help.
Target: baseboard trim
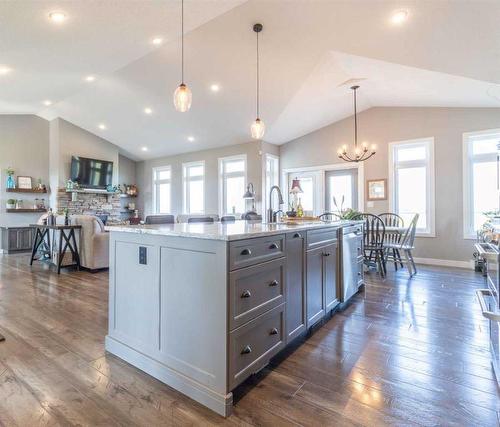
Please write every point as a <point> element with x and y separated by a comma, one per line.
<point>221,404</point>
<point>445,262</point>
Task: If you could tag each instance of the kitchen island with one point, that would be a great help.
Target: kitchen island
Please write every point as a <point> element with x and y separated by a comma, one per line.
<point>203,306</point>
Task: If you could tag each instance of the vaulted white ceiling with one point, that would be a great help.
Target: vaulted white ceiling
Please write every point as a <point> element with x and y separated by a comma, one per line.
<point>446,54</point>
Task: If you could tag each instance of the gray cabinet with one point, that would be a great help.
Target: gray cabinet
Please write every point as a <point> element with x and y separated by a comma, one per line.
<point>315,289</point>
<point>321,274</point>
<point>17,239</point>
<point>295,285</point>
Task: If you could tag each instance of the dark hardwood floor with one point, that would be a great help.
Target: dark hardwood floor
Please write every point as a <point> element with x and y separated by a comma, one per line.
<point>406,352</point>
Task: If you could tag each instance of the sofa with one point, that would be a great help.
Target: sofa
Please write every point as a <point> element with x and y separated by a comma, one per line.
<point>93,242</point>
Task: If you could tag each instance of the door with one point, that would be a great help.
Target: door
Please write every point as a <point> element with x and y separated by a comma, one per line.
<point>343,186</point>
<point>330,276</point>
<point>314,285</point>
<point>295,286</point>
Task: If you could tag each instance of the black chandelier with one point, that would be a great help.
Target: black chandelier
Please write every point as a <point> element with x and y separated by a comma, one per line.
<point>359,154</point>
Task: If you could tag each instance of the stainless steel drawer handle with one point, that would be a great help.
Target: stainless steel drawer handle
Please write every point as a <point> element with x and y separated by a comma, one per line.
<point>273,246</point>
<point>484,308</point>
<point>246,350</point>
<point>273,331</point>
<point>297,236</point>
<point>274,283</point>
<point>246,294</point>
<point>246,252</point>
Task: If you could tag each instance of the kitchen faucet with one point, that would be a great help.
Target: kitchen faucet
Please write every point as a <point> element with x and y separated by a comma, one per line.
<point>271,215</point>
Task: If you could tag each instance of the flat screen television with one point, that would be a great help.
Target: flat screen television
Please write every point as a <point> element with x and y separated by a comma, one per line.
<point>91,173</point>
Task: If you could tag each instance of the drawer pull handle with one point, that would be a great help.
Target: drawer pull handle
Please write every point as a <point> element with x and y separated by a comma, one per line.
<point>274,331</point>
<point>274,283</point>
<point>246,350</point>
<point>359,249</point>
<point>297,235</point>
<point>359,273</point>
<point>246,252</point>
<point>246,294</point>
<point>326,254</point>
<point>273,246</point>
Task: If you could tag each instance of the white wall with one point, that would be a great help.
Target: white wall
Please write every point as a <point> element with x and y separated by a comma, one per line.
<point>384,125</point>
<point>253,151</point>
<point>24,145</point>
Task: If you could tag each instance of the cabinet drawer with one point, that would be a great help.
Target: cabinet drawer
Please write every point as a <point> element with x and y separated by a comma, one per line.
<point>255,290</point>
<point>316,238</point>
<point>252,345</point>
<point>243,253</point>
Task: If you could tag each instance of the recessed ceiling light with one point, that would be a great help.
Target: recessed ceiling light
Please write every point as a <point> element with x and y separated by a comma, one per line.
<point>102,126</point>
<point>157,41</point>
<point>148,111</point>
<point>90,78</point>
<point>57,17</point>
<point>399,16</point>
<point>47,102</point>
<point>215,87</point>
<point>191,138</point>
<point>4,70</point>
<point>144,148</point>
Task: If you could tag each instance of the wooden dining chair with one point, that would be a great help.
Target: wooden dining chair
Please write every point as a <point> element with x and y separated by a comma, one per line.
<point>392,220</point>
<point>374,238</point>
<point>329,216</point>
<point>406,246</point>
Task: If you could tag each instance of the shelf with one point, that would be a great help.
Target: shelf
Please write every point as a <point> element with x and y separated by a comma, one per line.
<point>103,192</point>
<point>125,196</point>
<point>26,190</point>
<point>26,210</point>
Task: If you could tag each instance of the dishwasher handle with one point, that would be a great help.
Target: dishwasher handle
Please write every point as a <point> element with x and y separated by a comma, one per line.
<point>480,293</point>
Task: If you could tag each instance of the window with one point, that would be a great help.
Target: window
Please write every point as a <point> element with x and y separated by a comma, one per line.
<point>343,185</point>
<point>271,177</point>
<point>232,185</point>
<point>193,179</point>
<point>480,178</point>
<point>411,182</point>
<point>162,177</point>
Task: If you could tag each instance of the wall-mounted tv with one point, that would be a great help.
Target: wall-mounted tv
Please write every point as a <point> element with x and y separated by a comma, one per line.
<point>91,173</point>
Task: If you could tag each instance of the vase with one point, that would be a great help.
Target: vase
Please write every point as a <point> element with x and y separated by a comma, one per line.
<point>10,182</point>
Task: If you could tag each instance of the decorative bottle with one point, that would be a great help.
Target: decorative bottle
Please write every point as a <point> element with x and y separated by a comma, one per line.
<point>300,210</point>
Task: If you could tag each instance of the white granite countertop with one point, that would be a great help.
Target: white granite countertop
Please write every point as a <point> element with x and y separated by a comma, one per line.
<point>218,231</point>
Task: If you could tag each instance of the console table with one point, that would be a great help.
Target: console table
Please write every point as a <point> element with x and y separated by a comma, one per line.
<point>66,242</point>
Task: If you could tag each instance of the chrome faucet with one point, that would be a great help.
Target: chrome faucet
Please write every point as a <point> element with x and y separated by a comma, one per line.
<point>271,215</point>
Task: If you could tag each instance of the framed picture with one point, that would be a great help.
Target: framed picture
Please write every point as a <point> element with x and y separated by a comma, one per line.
<point>24,182</point>
<point>376,189</point>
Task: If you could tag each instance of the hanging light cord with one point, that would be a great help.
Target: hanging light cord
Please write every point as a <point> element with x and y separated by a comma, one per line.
<point>258,77</point>
<point>355,121</point>
<point>182,41</point>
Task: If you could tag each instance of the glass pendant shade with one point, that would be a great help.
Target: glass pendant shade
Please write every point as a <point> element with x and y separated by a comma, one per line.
<point>182,98</point>
<point>258,128</point>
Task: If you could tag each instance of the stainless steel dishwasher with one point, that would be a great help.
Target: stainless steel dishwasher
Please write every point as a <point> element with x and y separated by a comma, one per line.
<point>351,260</point>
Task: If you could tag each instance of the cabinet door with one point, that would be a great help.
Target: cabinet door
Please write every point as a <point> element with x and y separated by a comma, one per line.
<point>12,241</point>
<point>314,285</point>
<point>295,286</point>
<point>24,239</point>
<point>330,276</point>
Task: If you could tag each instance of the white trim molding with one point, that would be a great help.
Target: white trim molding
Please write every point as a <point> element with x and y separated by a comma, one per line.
<point>467,189</point>
<point>445,262</point>
<point>428,143</point>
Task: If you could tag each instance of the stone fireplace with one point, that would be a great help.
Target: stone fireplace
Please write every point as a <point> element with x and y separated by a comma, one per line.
<point>90,204</point>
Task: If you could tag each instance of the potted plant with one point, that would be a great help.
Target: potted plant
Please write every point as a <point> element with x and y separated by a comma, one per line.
<point>11,203</point>
<point>10,178</point>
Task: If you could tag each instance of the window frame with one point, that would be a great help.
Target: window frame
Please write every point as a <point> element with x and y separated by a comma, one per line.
<point>467,189</point>
<point>428,143</point>
<point>265,193</point>
<point>156,185</point>
<point>222,176</point>
<point>185,186</point>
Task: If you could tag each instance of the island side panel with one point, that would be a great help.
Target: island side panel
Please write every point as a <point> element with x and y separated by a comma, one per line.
<point>177,330</point>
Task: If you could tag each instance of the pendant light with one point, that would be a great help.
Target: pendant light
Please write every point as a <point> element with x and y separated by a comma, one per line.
<point>258,128</point>
<point>359,154</point>
<point>182,95</point>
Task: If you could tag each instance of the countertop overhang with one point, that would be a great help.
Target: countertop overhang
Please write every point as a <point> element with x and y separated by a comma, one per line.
<point>229,231</point>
